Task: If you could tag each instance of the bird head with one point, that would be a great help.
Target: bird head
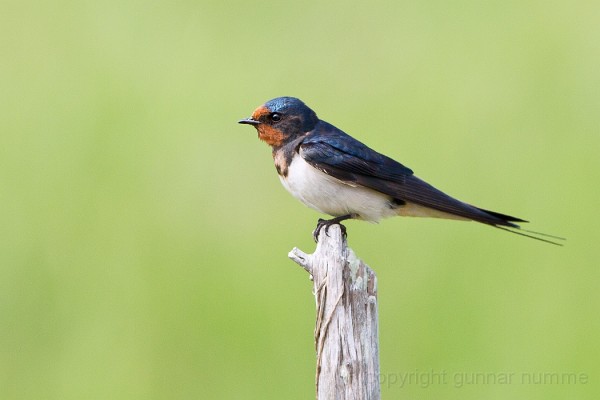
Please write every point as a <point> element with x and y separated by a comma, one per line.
<point>282,119</point>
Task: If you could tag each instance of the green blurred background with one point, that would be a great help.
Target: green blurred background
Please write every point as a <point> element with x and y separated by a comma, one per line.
<point>144,234</point>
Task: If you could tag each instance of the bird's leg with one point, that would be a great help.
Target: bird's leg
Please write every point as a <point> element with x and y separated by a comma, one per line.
<point>328,222</point>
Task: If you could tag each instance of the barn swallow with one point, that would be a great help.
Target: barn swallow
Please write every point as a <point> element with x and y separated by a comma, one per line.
<point>335,174</point>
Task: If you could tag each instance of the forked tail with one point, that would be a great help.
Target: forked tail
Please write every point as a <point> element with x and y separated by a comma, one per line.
<point>507,223</point>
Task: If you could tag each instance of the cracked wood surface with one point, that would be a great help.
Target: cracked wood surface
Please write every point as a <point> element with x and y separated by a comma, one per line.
<point>346,329</point>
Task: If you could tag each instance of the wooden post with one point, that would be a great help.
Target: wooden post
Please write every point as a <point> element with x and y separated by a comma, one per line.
<point>346,331</point>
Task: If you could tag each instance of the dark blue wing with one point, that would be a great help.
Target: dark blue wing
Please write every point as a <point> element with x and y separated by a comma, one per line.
<point>345,158</point>
<point>336,149</point>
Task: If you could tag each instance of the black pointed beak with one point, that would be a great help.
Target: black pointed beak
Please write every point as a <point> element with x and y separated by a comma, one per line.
<point>248,121</point>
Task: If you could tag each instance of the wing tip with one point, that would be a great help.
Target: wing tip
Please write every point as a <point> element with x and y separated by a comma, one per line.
<point>508,219</point>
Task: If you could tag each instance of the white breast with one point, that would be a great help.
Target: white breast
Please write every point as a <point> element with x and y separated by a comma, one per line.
<point>329,195</point>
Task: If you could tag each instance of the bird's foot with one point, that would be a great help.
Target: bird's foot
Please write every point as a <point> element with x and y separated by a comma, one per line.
<point>326,223</point>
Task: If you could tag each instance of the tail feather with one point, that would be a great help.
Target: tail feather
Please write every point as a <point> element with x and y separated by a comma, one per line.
<point>506,223</point>
<point>414,190</point>
<point>532,234</point>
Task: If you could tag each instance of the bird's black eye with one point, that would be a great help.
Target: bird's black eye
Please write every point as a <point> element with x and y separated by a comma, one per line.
<point>275,117</point>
